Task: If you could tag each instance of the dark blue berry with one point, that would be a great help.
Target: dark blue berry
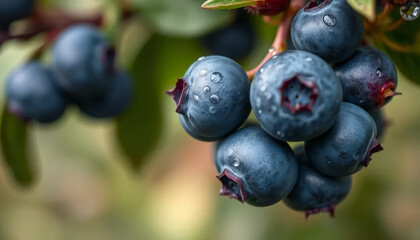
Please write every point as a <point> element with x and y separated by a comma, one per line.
<point>368,77</point>
<point>234,41</point>
<point>295,96</point>
<point>347,146</point>
<point>32,94</point>
<point>83,60</point>
<point>330,29</point>
<point>380,122</point>
<point>213,97</point>
<point>12,10</point>
<point>113,101</point>
<point>314,192</point>
<point>255,168</point>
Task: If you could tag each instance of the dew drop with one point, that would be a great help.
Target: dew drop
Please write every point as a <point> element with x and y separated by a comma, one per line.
<point>410,11</point>
<point>280,134</point>
<point>196,97</point>
<point>236,162</point>
<point>258,102</point>
<point>203,72</point>
<point>214,99</point>
<point>200,58</point>
<point>206,89</point>
<point>263,88</point>
<point>230,152</point>
<point>212,110</point>
<point>275,56</point>
<point>329,20</point>
<point>356,155</point>
<point>308,59</point>
<point>261,70</point>
<point>268,96</point>
<point>260,111</point>
<point>378,72</point>
<point>216,77</point>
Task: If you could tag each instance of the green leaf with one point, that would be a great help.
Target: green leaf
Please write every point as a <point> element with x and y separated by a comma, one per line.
<point>181,18</point>
<point>140,126</point>
<point>365,7</point>
<point>112,19</point>
<point>228,4</point>
<point>407,34</point>
<point>14,148</point>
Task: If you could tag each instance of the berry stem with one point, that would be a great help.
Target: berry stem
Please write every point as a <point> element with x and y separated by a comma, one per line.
<point>395,25</point>
<point>387,9</point>
<point>281,36</point>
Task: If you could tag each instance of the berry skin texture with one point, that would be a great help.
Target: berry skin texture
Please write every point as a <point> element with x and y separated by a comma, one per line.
<point>314,192</point>
<point>295,96</point>
<point>330,29</point>
<point>269,7</point>
<point>12,10</point>
<point>83,61</point>
<point>234,41</point>
<point>32,94</point>
<point>347,146</point>
<point>255,168</point>
<point>368,77</point>
<point>212,97</point>
<point>380,122</point>
<point>113,101</point>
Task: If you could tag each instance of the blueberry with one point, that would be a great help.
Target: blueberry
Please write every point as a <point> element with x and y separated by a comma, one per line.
<point>113,101</point>
<point>269,7</point>
<point>314,192</point>
<point>32,94</point>
<point>295,96</point>
<point>330,29</point>
<point>234,41</point>
<point>255,168</point>
<point>347,146</point>
<point>193,134</point>
<point>380,122</point>
<point>368,77</point>
<point>12,10</point>
<point>82,60</point>
<point>213,97</point>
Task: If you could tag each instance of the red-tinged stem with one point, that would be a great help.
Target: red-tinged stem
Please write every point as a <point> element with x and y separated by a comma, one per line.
<point>395,25</point>
<point>387,9</point>
<point>281,36</point>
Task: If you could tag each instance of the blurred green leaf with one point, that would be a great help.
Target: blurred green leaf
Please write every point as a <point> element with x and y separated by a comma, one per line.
<point>407,34</point>
<point>140,126</point>
<point>112,19</point>
<point>365,7</point>
<point>228,4</point>
<point>182,18</point>
<point>14,147</point>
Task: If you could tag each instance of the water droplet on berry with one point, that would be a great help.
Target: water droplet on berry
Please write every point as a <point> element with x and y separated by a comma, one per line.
<point>203,72</point>
<point>206,89</point>
<point>329,20</point>
<point>308,59</point>
<point>200,58</point>
<point>268,96</point>
<point>196,97</point>
<point>230,152</point>
<point>260,111</point>
<point>263,88</point>
<point>280,134</point>
<point>258,102</point>
<point>212,110</point>
<point>410,11</point>
<point>214,99</point>
<point>261,69</point>
<point>216,77</point>
<point>236,162</point>
<point>378,72</point>
<point>275,56</point>
<point>356,155</point>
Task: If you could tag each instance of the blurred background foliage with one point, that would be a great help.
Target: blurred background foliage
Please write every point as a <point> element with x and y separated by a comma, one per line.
<point>86,188</point>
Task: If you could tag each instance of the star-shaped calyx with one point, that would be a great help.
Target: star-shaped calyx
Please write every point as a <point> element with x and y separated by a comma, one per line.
<point>178,93</point>
<point>374,147</point>
<point>298,94</point>
<point>232,186</point>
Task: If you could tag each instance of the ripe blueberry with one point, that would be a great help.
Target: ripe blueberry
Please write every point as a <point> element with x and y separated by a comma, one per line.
<point>269,7</point>
<point>113,101</point>
<point>255,168</point>
<point>32,94</point>
<point>368,77</point>
<point>314,192</point>
<point>330,29</point>
<point>295,96</point>
<point>213,97</point>
<point>82,60</point>
<point>234,41</point>
<point>348,145</point>
<point>12,10</point>
<point>380,122</point>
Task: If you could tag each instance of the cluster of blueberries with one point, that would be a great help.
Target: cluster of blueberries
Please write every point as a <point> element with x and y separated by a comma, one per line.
<point>82,72</point>
<point>326,93</point>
